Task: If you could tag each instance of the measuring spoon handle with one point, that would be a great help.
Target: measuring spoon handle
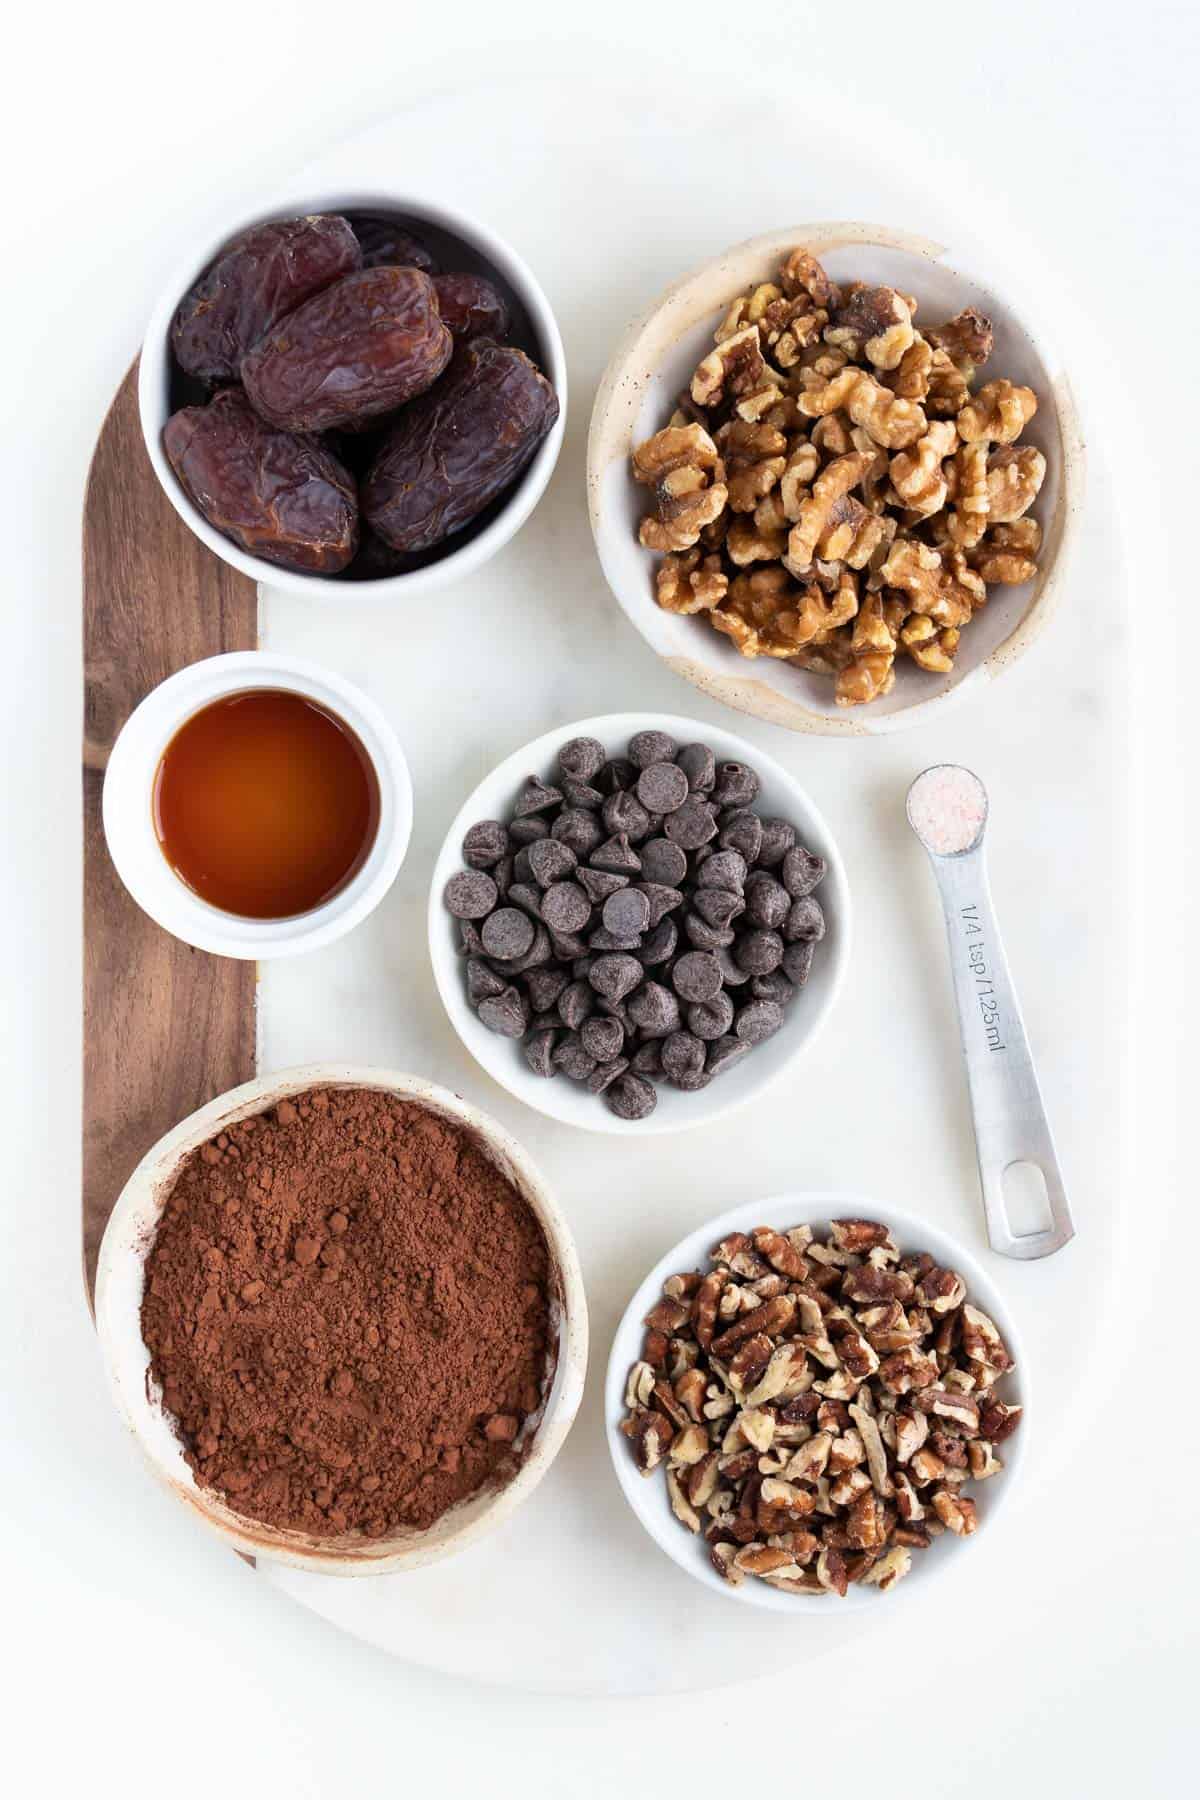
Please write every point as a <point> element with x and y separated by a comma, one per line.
<point>1010,1118</point>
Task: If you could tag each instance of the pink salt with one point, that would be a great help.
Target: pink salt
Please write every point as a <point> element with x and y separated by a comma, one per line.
<point>947,807</point>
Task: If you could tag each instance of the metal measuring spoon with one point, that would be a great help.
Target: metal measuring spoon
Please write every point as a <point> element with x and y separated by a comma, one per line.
<point>947,807</point>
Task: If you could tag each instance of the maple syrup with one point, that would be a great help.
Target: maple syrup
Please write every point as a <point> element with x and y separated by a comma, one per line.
<point>265,804</point>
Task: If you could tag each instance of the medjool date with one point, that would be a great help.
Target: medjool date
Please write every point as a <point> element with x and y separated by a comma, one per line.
<point>357,350</point>
<point>471,306</point>
<point>258,278</point>
<point>458,446</point>
<point>383,243</point>
<point>280,497</point>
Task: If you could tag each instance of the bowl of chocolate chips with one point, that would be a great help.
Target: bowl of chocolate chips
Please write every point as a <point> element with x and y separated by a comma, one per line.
<point>343,1318</point>
<point>638,922</point>
<point>360,389</point>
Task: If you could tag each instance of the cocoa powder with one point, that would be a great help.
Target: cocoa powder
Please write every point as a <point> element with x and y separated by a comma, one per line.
<point>347,1307</point>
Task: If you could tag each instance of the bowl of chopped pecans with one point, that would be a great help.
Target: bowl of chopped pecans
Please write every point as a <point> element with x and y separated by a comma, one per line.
<point>812,1398</point>
<point>832,477</point>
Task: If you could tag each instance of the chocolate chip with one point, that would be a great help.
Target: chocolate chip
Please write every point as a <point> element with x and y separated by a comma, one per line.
<point>731,975</point>
<point>469,941</point>
<point>659,944</point>
<point>798,960</point>
<point>618,772</point>
<point>615,976</point>
<point>504,1013</point>
<point>543,987</point>
<point>523,832</point>
<point>758,952</point>
<point>626,913</point>
<point>767,902</point>
<point>617,1009</point>
<point>504,874</point>
<point>580,793</point>
<point>470,894</point>
<point>647,1059</point>
<point>546,1021</point>
<point>661,900</point>
<point>805,920</point>
<point>527,897</point>
<point>551,861</point>
<point>692,1081</point>
<point>602,939</point>
<point>598,884</point>
<point>624,812</point>
<point>565,906</point>
<point>522,869</point>
<point>717,906</point>
<point>724,1053</point>
<point>801,871</point>
<point>482,982</point>
<point>539,952</point>
<point>631,1097</point>
<point>710,1019</point>
<point>696,976</point>
<point>737,785</point>
<point>682,1054</point>
<point>567,945</point>
<point>507,933</point>
<point>698,764</point>
<point>571,1059</point>
<point>485,844</point>
<point>654,1010</point>
<point>663,861</point>
<point>777,839</point>
<point>602,1038</point>
<point>581,758</point>
<point>535,797</point>
<point>605,1073</point>
<point>724,869</point>
<point>758,1020</point>
<point>578,829</point>
<point>646,747</point>
<point>575,1004</point>
<point>662,787</point>
<point>691,824</point>
<point>581,967</point>
<point>703,936</point>
<point>742,831</point>
<point>616,856</point>
<point>539,1049</point>
<point>775,987</point>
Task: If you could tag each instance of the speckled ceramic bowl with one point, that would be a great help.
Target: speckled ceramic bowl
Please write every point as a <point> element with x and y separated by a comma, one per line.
<point>119,1283</point>
<point>654,362</point>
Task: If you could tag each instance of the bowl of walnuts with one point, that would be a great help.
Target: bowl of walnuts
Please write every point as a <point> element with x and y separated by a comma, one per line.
<point>359,389</point>
<point>832,475</point>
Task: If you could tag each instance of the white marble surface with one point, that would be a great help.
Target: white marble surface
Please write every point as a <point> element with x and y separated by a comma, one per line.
<point>535,640</point>
<point>140,1654</point>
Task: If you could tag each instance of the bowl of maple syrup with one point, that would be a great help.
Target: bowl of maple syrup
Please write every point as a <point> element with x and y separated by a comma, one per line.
<point>256,806</point>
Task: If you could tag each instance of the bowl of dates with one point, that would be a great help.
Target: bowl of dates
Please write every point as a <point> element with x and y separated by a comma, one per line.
<point>638,922</point>
<point>832,475</point>
<point>865,1431</point>
<point>363,390</point>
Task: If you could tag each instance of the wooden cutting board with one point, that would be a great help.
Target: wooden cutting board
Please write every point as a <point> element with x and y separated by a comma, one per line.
<point>165,1027</point>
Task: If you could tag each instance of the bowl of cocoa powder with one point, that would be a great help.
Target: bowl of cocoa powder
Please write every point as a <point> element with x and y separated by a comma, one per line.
<point>344,1319</point>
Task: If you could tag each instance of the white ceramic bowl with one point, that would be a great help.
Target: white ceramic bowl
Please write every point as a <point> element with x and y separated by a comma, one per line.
<point>154,385</point>
<point>647,1494</point>
<point>781,796</point>
<point>119,1285</point>
<point>654,362</point>
<point>129,817</point>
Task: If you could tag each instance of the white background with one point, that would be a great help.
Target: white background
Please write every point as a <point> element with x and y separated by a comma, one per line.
<point>142,1657</point>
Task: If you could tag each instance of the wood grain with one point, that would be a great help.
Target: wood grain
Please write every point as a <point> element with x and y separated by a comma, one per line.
<point>165,1027</point>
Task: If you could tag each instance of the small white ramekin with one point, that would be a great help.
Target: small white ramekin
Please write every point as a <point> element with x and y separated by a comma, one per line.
<point>647,1495</point>
<point>154,405</point>
<point>781,796</point>
<point>128,807</point>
